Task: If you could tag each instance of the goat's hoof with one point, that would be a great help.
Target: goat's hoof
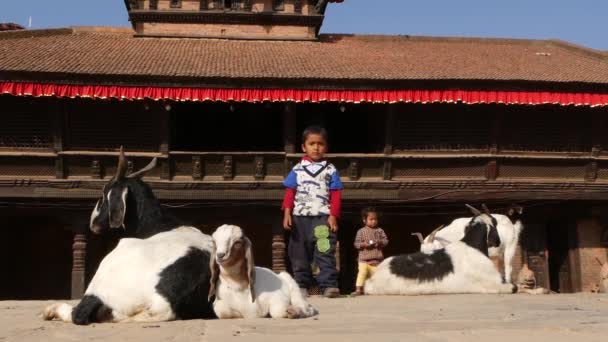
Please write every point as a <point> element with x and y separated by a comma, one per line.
<point>293,313</point>
<point>50,312</point>
<point>514,288</point>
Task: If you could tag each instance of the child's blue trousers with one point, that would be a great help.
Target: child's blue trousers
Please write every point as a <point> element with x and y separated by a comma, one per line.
<point>312,240</point>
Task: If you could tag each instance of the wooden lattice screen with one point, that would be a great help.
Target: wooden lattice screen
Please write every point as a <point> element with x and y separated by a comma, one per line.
<point>103,126</point>
<point>546,129</point>
<point>442,127</point>
<point>26,125</point>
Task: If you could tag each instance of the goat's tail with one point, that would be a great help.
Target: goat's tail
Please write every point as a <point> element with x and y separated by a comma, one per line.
<point>299,307</point>
<point>61,311</point>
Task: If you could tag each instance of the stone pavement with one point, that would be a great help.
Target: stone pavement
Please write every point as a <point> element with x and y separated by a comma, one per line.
<point>494,318</point>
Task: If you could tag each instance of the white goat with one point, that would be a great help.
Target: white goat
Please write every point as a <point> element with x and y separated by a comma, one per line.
<point>161,278</point>
<point>460,267</point>
<point>242,290</point>
<point>509,228</point>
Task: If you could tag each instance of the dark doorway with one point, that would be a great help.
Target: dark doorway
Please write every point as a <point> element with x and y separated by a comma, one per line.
<point>558,247</point>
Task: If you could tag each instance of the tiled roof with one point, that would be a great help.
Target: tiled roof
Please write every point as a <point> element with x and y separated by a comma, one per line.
<point>114,54</point>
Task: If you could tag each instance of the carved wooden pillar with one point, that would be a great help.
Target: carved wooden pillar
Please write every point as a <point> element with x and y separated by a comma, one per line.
<point>197,168</point>
<point>259,170</point>
<point>228,172</point>
<point>492,170</point>
<point>279,252</point>
<point>353,169</point>
<point>96,168</point>
<point>79,257</point>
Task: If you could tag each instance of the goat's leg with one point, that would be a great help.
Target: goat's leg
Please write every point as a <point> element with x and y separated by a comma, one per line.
<point>224,311</point>
<point>59,311</point>
<point>508,261</point>
<point>279,310</point>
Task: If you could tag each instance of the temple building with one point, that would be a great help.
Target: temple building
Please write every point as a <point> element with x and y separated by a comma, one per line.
<point>220,91</point>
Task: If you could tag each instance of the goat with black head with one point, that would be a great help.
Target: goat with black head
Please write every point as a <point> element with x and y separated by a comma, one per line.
<point>461,267</point>
<point>162,274</point>
<point>129,204</point>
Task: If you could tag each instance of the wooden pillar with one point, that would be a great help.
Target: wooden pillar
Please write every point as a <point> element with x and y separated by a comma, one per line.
<point>389,132</point>
<point>79,258</point>
<point>59,118</point>
<point>289,127</point>
<point>289,133</point>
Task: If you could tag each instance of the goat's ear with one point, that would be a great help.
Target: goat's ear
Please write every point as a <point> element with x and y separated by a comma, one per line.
<point>117,206</point>
<point>515,209</point>
<point>143,171</point>
<point>215,274</point>
<point>250,267</point>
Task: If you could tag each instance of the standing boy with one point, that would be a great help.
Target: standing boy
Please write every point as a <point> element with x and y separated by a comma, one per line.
<point>311,209</point>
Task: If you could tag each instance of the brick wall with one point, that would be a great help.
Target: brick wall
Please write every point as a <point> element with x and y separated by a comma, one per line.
<point>588,234</point>
<point>224,30</point>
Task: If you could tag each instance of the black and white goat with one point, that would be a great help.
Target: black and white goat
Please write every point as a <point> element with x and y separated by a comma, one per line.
<point>461,267</point>
<point>243,290</point>
<point>508,226</point>
<point>163,276</point>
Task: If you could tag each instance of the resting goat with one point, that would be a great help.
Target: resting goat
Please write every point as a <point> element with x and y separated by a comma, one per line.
<point>242,290</point>
<point>509,228</point>
<point>461,267</point>
<point>163,277</point>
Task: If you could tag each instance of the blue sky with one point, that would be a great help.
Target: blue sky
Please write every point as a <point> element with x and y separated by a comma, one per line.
<point>578,21</point>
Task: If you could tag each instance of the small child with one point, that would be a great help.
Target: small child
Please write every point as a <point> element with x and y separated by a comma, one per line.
<point>312,196</point>
<point>370,241</point>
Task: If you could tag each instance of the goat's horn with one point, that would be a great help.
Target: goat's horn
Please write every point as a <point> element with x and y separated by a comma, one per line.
<point>432,235</point>
<point>419,235</point>
<point>598,261</point>
<point>485,209</point>
<point>143,171</point>
<point>473,210</point>
<point>121,169</point>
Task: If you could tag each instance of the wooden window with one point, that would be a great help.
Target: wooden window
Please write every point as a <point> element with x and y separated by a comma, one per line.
<point>26,124</point>
<point>546,129</point>
<point>176,4</point>
<point>106,125</point>
<point>227,127</point>
<point>153,4</point>
<point>443,127</point>
<point>278,5</point>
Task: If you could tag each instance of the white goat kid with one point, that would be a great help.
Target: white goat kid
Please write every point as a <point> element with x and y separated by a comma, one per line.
<point>508,227</point>
<point>461,267</point>
<point>242,290</point>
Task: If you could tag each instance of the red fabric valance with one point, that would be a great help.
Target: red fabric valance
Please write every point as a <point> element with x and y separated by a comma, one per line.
<point>303,95</point>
